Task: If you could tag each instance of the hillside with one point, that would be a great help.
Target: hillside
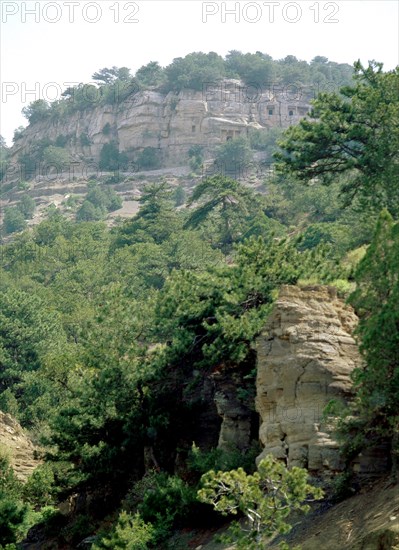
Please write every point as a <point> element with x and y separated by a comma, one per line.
<point>190,344</point>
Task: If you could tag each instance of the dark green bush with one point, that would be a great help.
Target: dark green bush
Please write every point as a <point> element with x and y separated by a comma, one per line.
<point>13,515</point>
<point>84,139</point>
<point>111,158</point>
<point>106,129</point>
<point>88,212</point>
<point>39,490</point>
<point>233,156</point>
<point>150,158</point>
<point>162,500</point>
<point>199,462</point>
<point>196,156</point>
<point>61,140</point>
<point>78,530</point>
<point>13,220</point>
<point>27,206</point>
<point>13,512</point>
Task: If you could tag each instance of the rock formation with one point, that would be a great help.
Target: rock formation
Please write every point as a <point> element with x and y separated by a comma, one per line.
<point>237,427</point>
<point>17,445</point>
<point>305,355</point>
<point>172,123</point>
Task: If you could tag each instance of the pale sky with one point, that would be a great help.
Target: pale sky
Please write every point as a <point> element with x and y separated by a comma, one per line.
<point>66,41</point>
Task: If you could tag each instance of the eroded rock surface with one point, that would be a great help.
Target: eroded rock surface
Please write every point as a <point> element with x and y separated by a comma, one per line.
<point>16,444</point>
<point>171,123</point>
<point>306,353</point>
<point>237,417</point>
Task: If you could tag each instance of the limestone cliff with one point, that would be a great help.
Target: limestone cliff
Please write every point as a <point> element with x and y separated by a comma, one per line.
<point>305,355</point>
<point>172,122</point>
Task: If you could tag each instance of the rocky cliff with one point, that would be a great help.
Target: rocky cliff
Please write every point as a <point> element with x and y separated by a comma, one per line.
<point>17,445</point>
<point>172,122</point>
<point>305,355</point>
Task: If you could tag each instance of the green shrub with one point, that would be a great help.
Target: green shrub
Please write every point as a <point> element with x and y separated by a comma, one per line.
<point>233,156</point>
<point>265,498</point>
<point>179,195</point>
<point>98,201</point>
<point>374,417</point>
<point>193,70</point>
<point>196,156</point>
<point>265,140</point>
<point>39,489</point>
<point>341,486</point>
<point>61,140</point>
<point>335,234</point>
<point>130,533</point>
<point>149,159</point>
<point>88,212</point>
<point>107,129</point>
<point>110,157</point>
<point>170,497</point>
<point>84,139</point>
<point>9,403</point>
<point>23,185</point>
<point>105,198</point>
<point>113,179</point>
<point>78,530</point>
<point>13,512</point>
<point>36,111</point>
<point>200,462</point>
<point>343,286</point>
<point>29,165</point>
<point>162,500</point>
<point>27,206</point>
<point>13,220</point>
<point>56,156</point>
<point>13,515</point>
<point>18,133</point>
<point>151,74</point>
<point>71,201</point>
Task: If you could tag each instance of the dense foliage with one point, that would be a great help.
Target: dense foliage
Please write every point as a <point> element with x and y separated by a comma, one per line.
<point>354,133</point>
<point>373,418</point>
<point>102,330</point>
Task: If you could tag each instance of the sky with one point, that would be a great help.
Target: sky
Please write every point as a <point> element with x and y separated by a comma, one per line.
<point>47,45</point>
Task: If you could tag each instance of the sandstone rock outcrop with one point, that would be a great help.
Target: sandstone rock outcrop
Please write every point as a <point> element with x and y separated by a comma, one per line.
<point>17,445</point>
<point>171,123</point>
<point>305,355</point>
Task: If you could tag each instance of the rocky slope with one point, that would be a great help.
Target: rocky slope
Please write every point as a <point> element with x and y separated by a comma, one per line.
<point>17,445</point>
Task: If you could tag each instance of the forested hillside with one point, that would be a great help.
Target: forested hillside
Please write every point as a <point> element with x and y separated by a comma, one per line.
<point>110,336</point>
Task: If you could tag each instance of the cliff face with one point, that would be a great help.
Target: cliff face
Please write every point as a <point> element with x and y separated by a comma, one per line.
<point>17,446</point>
<point>306,353</point>
<point>172,122</point>
<point>235,406</point>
